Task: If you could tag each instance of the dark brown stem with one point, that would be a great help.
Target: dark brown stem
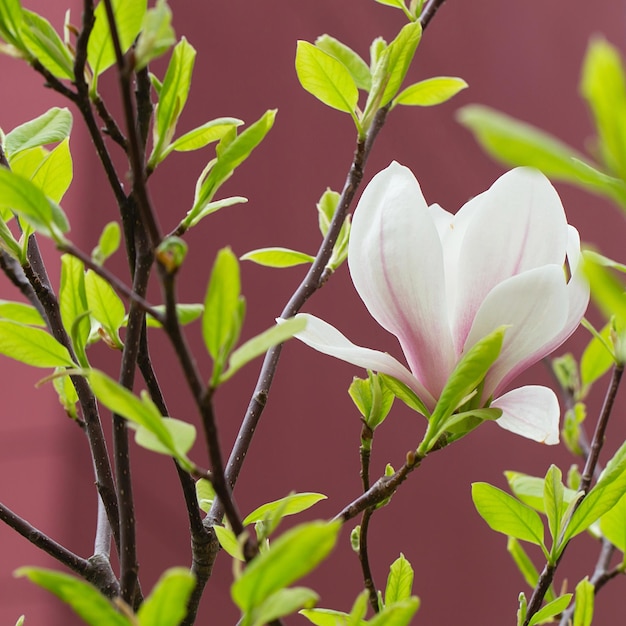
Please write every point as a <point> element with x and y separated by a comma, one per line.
<point>429,10</point>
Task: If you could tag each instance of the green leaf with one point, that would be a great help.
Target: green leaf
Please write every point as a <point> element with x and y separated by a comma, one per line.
<point>260,344</point>
<point>585,596</point>
<point>398,614</point>
<point>86,601</point>
<point>66,393</point>
<point>167,603</point>
<point>157,35</point>
<point>205,494</point>
<point>597,358</point>
<point>108,243</point>
<point>373,399</point>
<point>551,609</point>
<point>400,53</point>
<point>51,127</point>
<point>289,505</point>
<point>404,393</point>
<point>229,542</point>
<point>613,527</point>
<point>323,76</point>
<point>186,314</point>
<point>27,200</point>
<point>21,313</point>
<point>603,86</point>
<point>505,514</point>
<point>358,68</point>
<point>106,307</point>
<point>603,497</point>
<point>525,565</point>
<point>220,321</point>
<point>328,617</point>
<point>607,291</point>
<point>208,208</point>
<point>554,501</point>
<point>277,257</point>
<point>46,46</point>
<point>326,208</point>
<point>20,621</point>
<point>203,135</point>
<point>32,346</point>
<point>230,156</point>
<point>11,20</point>
<point>55,172</point>
<point>293,555</point>
<point>129,16</point>
<point>172,99</point>
<point>282,603</point>
<point>73,304</point>
<point>182,433</point>
<point>430,92</point>
<point>398,4</point>
<point>399,581</point>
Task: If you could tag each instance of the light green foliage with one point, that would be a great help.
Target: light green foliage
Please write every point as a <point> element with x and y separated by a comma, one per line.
<point>326,78</point>
<point>358,68</point>
<point>194,216</point>
<point>186,314</point>
<point>205,494</point>
<point>11,22</point>
<point>525,565</point>
<point>431,91</point>
<point>277,257</point>
<point>398,614</point>
<point>411,13</point>
<point>326,208</point>
<point>157,35</point>
<point>404,393</point>
<point>51,127</point>
<point>505,514</point>
<point>293,555</point>
<point>231,152</point>
<point>32,346</point>
<point>105,307</point>
<point>44,43</point>
<point>531,490</point>
<point>261,343</point>
<point>74,306</point>
<point>129,16</point>
<point>168,436</point>
<point>399,581</point>
<point>585,596</point>
<point>597,357</point>
<point>289,505</point>
<point>55,172</point>
<point>613,526</point>
<point>21,313</point>
<point>203,135</point>
<point>603,497</point>
<point>373,399</point>
<point>547,612</point>
<point>86,601</point>
<point>553,500</point>
<point>328,617</point>
<point>20,621</point>
<point>282,603</point>
<point>223,310</point>
<point>172,99</point>
<point>167,603</point>
<point>522,610</point>
<point>66,393</point>
<point>108,243</point>
<point>229,542</point>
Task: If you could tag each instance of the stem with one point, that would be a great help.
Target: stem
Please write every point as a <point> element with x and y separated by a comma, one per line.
<point>547,575</point>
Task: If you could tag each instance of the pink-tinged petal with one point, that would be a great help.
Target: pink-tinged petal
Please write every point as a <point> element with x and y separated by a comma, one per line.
<point>517,225</point>
<point>534,306</point>
<point>532,412</point>
<point>396,263</point>
<point>325,338</point>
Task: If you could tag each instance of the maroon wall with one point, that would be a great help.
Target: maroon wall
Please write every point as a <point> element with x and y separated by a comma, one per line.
<point>521,57</point>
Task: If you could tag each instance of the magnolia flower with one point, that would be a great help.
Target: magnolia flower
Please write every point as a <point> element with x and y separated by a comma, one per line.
<point>441,282</point>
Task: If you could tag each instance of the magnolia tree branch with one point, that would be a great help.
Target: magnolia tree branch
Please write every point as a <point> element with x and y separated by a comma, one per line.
<point>547,575</point>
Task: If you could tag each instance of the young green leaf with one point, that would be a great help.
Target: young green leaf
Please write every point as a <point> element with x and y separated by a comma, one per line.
<point>326,208</point>
<point>328,79</point>
<point>172,99</point>
<point>373,399</point>
<point>289,505</point>
<point>585,596</point>
<point>399,581</point>
<point>603,497</point>
<point>106,307</point>
<point>66,393</point>
<point>260,344</point>
<point>73,304</point>
<point>597,357</point>
<point>554,502</point>
<point>613,527</point>
<point>167,603</point>
<point>129,16</point>
<point>551,609</point>
<point>108,243</point>
<point>404,393</point>
<point>293,555</point>
<point>51,127</point>
<point>205,494</point>
<point>11,20</point>
<point>329,617</point>
<point>20,620</point>
<point>203,135</point>
<point>397,614</point>
<point>32,346</point>
<point>46,46</point>
<point>157,35</point>
<point>505,514</point>
<point>525,565</point>
<point>431,91</point>
<point>207,209</point>
<point>358,68</point>
<point>277,257</point>
<point>20,313</point>
<point>86,601</point>
<point>282,603</point>
<point>186,314</point>
<point>55,171</point>
<point>182,433</point>
<point>228,541</point>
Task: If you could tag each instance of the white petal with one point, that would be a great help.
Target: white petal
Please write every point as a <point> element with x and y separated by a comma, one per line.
<point>532,412</point>
<point>396,263</point>
<point>517,225</point>
<point>325,338</point>
<point>534,306</point>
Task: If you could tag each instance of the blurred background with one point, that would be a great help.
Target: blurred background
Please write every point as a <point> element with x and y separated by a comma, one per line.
<point>523,58</point>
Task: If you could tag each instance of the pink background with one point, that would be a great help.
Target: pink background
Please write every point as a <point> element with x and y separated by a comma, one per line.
<point>521,57</point>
